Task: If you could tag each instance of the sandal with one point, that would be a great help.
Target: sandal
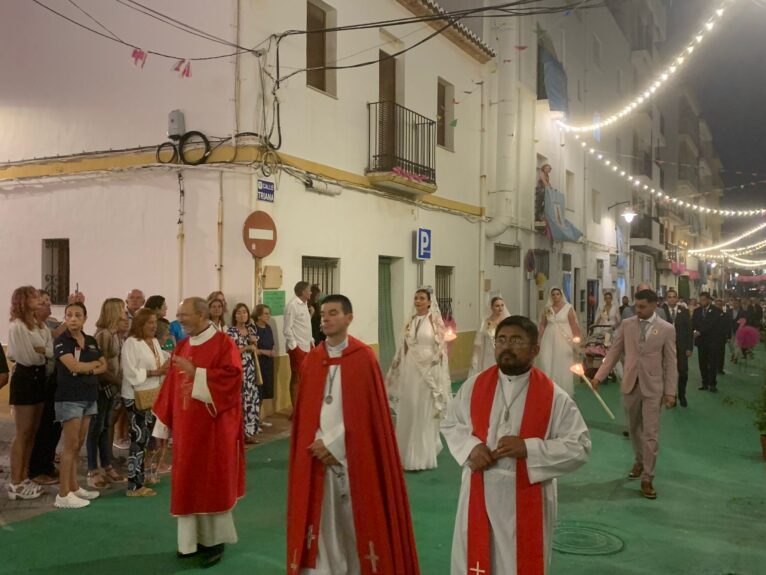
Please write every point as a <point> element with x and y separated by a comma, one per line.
<point>24,490</point>
<point>112,476</point>
<point>141,492</point>
<point>96,480</point>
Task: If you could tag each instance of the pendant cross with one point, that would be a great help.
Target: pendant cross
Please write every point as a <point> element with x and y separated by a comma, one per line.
<point>372,558</point>
<point>477,570</point>
<point>310,537</point>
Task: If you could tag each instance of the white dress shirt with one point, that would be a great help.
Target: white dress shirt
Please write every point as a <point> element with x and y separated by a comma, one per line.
<point>297,329</point>
<point>137,360</point>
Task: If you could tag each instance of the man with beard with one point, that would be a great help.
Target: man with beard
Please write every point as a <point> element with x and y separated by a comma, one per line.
<point>514,432</point>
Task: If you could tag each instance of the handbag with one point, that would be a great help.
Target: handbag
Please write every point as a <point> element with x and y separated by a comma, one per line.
<point>145,398</point>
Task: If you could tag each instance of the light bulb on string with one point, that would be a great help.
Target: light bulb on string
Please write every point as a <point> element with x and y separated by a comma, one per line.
<point>661,77</point>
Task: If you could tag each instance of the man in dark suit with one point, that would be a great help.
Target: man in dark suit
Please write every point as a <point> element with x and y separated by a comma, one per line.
<point>727,317</point>
<point>678,314</point>
<point>754,313</point>
<point>707,323</point>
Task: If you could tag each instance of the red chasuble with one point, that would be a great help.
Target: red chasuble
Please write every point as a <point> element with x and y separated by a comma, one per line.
<point>530,551</point>
<point>384,538</point>
<point>208,441</point>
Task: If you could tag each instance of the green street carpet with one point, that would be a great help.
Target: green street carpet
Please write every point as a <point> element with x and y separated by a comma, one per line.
<point>709,519</point>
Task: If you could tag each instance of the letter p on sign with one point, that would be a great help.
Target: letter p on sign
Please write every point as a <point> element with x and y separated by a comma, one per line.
<point>423,244</point>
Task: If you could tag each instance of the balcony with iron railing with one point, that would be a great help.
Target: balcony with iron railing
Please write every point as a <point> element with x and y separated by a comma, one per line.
<point>688,176</point>
<point>402,149</point>
<point>645,234</point>
<point>642,163</point>
<point>689,128</point>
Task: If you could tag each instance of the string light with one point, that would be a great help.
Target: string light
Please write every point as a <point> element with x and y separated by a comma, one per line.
<point>749,263</point>
<point>745,250</point>
<point>635,181</point>
<point>725,244</point>
<point>661,78</point>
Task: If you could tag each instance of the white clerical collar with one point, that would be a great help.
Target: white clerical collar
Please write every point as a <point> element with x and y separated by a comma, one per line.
<point>336,351</point>
<point>204,336</point>
<point>515,379</point>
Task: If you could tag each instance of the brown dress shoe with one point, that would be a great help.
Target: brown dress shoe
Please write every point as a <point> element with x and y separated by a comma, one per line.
<point>636,472</point>
<point>647,490</point>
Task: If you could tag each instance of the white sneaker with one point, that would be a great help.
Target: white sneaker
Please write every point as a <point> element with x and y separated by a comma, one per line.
<point>71,501</point>
<point>85,494</point>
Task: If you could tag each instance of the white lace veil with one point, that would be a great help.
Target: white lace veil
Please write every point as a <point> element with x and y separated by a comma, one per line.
<point>442,390</point>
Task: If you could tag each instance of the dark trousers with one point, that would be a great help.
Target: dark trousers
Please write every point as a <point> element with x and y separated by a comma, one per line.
<point>43,457</point>
<point>682,362</point>
<point>721,356</point>
<point>708,362</point>
<point>98,444</point>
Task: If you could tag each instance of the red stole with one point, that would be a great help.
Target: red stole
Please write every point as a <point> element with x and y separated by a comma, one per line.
<point>530,551</point>
<point>384,537</point>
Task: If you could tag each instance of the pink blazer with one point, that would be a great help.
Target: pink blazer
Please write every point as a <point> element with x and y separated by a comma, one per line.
<point>651,364</point>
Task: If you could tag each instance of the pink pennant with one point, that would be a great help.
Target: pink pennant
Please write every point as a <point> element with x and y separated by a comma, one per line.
<point>454,101</point>
<point>187,70</point>
<point>521,48</point>
<point>139,57</point>
<point>179,65</point>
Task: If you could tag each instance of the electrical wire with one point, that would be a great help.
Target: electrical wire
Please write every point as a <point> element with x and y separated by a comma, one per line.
<point>129,45</point>
<point>72,2</point>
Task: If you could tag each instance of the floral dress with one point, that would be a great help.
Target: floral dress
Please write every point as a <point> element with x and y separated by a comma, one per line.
<point>251,399</point>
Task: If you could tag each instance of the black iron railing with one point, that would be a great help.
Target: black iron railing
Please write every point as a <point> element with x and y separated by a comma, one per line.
<point>641,227</point>
<point>401,142</point>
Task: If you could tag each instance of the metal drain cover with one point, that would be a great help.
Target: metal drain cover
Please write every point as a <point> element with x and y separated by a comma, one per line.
<point>580,538</point>
<point>748,506</point>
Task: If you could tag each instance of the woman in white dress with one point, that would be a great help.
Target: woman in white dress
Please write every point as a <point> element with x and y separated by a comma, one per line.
<point>559,338</point>
<point>419,385</point>
<point>484,344</point>
<point>608,316</point>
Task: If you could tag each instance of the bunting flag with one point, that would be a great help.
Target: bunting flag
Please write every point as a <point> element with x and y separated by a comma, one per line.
<point>139,57</point>
<point>453,123</point>
<point>521,48</point>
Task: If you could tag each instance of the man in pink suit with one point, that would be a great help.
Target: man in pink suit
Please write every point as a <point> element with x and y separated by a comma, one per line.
<point>650,379</point>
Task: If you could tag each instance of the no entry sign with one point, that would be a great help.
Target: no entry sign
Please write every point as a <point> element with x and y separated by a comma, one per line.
<point>259,234</point>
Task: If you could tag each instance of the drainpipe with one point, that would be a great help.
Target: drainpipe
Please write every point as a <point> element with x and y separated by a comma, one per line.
<point>219,265</point>
<point>482,197</point>
<point>181,236</point>
<point>502,212</point>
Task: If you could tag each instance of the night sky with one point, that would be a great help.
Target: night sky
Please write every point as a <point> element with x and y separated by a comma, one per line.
<point>728,76</point>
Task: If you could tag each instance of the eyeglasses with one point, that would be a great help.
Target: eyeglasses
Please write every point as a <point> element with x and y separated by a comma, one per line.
<point>503,341</point>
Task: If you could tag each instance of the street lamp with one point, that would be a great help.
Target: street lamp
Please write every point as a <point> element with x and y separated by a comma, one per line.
<point>628,214</point>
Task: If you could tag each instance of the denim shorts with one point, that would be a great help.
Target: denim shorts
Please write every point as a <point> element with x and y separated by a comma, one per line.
<point>66,410</point>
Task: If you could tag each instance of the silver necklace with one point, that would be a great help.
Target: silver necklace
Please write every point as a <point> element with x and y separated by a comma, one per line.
<point>507,411</point>
<point>328,398</point>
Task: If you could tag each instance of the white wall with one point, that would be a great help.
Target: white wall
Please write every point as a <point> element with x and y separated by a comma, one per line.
<point>123,235</point>
<point>66,90</point>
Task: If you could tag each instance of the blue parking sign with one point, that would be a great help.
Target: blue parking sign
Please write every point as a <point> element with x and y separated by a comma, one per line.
<point>423,244</point>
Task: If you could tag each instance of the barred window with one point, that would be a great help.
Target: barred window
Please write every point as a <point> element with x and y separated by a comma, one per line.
<point>508,256</point>
<point>443,290</point>
<point>55,270</point>
<point>542,262</point>
<point>566,262</point>
<point>321,271</point>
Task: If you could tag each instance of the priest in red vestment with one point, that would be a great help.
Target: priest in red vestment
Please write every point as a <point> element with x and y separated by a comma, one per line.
<point>514,432</point>
<point>347,510</point>
<point>201,403</point>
